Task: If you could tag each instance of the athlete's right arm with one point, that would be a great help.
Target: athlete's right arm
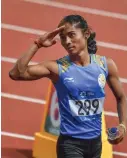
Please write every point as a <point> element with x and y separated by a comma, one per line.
<point>22,71</point>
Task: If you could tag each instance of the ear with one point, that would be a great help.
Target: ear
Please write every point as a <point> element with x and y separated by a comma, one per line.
<point>87,34</point>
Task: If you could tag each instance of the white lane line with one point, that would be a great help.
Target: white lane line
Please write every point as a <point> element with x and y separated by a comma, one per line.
<point>39,101</point>
<point>124,80</point>
<point>80,9</point>
<point>22,29</point>
<point>110,113</point>
<point>21,136</point>
<point>40,32</point>
<point>15,135</point>
<point>22,98</point>
<point>13,60</point>
<point>120,154</point>
<point>112,45</point>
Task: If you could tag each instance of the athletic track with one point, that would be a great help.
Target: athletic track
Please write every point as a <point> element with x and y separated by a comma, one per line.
<point>23,102</point>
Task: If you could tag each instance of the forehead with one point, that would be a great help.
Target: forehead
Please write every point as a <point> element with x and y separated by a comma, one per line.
<point>70,28</point>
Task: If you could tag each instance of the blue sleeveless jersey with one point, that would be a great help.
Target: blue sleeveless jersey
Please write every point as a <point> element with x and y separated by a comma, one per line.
<point>80,91</point>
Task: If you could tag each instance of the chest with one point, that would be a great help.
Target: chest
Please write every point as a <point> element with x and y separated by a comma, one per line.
<point>84,82</point>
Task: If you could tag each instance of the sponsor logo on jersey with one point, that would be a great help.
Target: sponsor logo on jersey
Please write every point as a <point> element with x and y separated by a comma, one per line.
<point>84,94</point>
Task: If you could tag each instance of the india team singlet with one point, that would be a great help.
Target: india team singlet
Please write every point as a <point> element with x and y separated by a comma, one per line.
<point>80,91</point>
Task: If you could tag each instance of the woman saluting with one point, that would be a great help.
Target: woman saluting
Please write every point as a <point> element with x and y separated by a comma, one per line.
<point>79,79</point>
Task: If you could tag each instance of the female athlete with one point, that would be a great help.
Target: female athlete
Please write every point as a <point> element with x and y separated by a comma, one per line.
<point>79,79</point>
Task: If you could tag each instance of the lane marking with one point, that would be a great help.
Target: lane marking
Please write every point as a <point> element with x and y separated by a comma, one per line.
<point>22,98</point>
<point>124,80</point>
<point>111,45</point>
<point>40,32</point>
<point>120,154</point>
<point>15,135</point>
<point>110,113</point>
<point>13,60</point>
<point>22,29</point>
<point>26,137</point>
<point>39,101</point>
<point>80,9</point>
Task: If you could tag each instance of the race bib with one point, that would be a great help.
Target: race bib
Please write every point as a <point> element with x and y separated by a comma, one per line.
<point>86,107</point>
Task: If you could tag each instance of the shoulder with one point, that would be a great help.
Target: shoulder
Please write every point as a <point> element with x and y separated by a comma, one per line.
<point>52,65</point>
<point>64,60</point>
<point>110,63</point>
<point>98,58</point>
<point>112,67</point>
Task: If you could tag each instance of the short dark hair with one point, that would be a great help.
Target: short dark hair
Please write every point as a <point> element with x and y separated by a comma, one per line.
<point>82,23</point>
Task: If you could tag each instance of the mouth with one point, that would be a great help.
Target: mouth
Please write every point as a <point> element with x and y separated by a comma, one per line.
<point>70,48</point>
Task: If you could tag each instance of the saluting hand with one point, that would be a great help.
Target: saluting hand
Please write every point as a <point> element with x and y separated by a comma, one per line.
<point>48,39</point>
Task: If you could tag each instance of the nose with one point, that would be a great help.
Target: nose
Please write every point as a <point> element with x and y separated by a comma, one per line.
<point>68,41</point>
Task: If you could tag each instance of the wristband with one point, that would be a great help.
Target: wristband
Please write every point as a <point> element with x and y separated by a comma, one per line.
<point>37,43</point>
<point>122,125</point>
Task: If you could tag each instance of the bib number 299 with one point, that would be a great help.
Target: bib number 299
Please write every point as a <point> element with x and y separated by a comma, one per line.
<point>87,107</point>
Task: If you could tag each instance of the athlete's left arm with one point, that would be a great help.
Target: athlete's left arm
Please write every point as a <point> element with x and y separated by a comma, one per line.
<point>117,89</point>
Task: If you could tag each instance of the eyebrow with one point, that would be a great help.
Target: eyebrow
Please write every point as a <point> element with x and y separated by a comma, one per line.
<point>61,34</point>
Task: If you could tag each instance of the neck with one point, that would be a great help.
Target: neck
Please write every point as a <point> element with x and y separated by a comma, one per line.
<point>82,59</point>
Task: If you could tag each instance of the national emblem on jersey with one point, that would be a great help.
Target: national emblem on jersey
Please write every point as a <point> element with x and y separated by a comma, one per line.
<point>102,80</point>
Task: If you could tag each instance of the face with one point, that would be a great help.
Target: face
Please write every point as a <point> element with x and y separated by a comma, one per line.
<point>73,39</point>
